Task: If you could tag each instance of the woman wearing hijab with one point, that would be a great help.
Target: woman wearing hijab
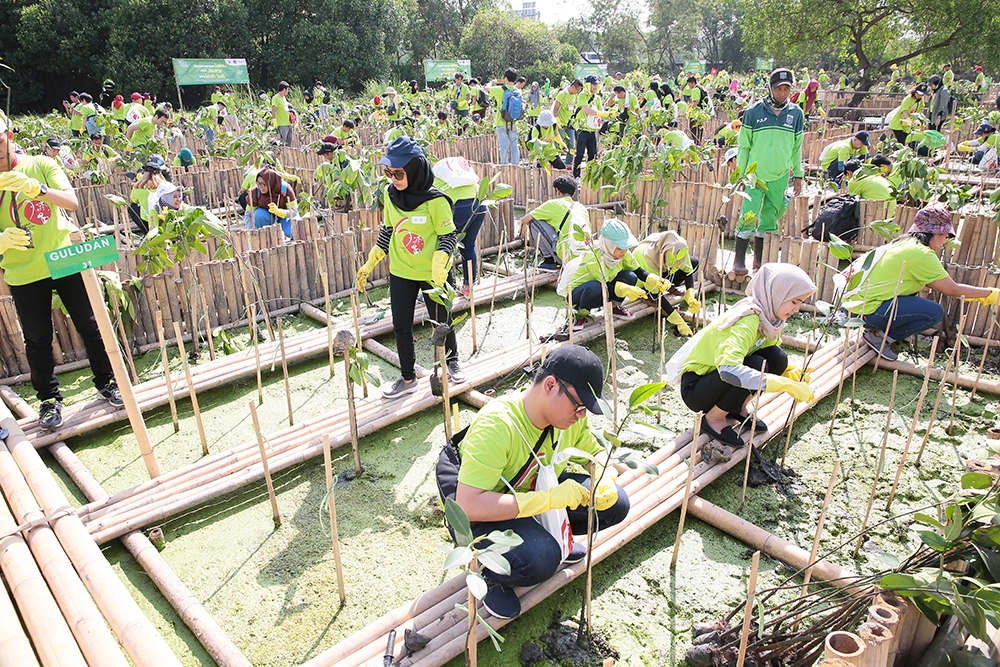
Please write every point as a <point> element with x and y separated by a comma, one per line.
<point>807,98</point>
<point>869,292</point>
<point>271,201</point>
<point>166,196</point>
<point>418,234</point>
<point>617,267</point>
<point>667,254</point>
<point>722,371</point>
<point>534,102</point>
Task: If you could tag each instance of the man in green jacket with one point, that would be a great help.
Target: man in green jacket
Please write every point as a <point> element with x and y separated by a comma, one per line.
<point>771,138</point>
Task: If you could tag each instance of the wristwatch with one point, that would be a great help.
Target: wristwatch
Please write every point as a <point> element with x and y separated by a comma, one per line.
<point>42,189</point>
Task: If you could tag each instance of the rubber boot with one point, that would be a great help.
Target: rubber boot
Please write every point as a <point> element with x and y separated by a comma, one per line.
<point>740,263</point>
<point>758,251</point>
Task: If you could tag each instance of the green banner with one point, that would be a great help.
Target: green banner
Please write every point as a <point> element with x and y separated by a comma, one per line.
<point>82,256</point>
<point>765,64</point>
<point>694,66</point>
<point>586,69</point>
<point>445,70</point>
<point>198,72</point>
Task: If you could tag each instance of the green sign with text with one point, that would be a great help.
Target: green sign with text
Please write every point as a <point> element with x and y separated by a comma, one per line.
<point>600,70</point>
<point>82,256</point>
<point>199,71</point>
<point>445,70</point>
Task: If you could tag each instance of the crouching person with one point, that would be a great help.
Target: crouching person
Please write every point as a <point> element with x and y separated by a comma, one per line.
<point>496,469</point>
<point>667,254</point>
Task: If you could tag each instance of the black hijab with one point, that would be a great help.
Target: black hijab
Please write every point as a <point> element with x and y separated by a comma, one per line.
<point>419,186</point>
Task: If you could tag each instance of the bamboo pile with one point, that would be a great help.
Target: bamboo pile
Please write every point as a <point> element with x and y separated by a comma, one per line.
<point>84,417</point>
<point>69,613</point>
<point>434,615</point>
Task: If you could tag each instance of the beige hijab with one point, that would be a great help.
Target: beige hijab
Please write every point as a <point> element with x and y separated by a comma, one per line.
<point>771,286</point>
<point>669,246</point>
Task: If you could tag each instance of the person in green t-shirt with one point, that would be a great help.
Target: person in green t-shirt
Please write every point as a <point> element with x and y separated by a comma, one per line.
<point>553,224</point>
<point>506,473</point>
<point>87,111</point>
<point>99,155</point>
<point>722,371</point>
<point>565,109</point>
<point>141,131</point>
<point>217,95</point>
<point>545,130</point>
<point>667,254</point>
<point>979,86</point>
<point>835,155</point>
<point>461,96</point>
<point>510,152</point>
<point>948,76</point>
<point>900,120</point>
<point>903,269</point>
<point>281,116</point>
<point>418,235</point>
<point>72,110</point>
<point>588,121</point>
<point>870,186</point>
<point>33,193</point>
<point>626,105</point>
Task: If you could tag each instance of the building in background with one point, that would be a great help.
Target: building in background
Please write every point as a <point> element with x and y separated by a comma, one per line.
<point>528,11</point>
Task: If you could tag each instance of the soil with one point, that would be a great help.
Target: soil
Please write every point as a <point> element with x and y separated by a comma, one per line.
<point>274,590</point>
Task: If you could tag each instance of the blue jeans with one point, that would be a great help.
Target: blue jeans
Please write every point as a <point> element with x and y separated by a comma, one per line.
<point>510,152</point>
<point>588,295</point>
<point>261,218</point>
<point>568,135</point>
<point>468,216</point>
<point>538,557</point>
<point>209,134</point>
<point>913,315</point>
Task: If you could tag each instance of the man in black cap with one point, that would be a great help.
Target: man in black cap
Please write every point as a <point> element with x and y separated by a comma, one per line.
<point>491,470</point>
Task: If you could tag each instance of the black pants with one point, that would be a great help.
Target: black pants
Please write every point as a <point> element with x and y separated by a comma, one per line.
<point>900,136</point>
<point>585,141</point>
<point>34,310</point>
<point>403,297</point>
<point>677,278</point>
<point>588,295</point>
<point>701,393</point>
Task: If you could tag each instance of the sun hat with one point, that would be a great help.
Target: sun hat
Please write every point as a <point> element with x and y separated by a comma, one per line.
<point>618,233</point>
<point>731,153</point>
<point>546,119</point>
<point>933,220</point>
<point>581,369</point>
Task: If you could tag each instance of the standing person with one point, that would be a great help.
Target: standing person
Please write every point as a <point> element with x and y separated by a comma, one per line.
<point>900,121</point>
<point>553,223</point>
<point>467,212</point>
<point>824,79</point>
<point>492,472</point>
<point>502,93</point>
<point>534,102</point>
<point>771,136</point>
<point>119,109</point>
<point>940,102</point>
<point>565,110</point>
<point>33,193</point>
<point>88,113</point>
<point>479,101</point>
<point>208,119</point>
<point>948,77</point>
<point>393,106</point>
<point>667,254</point>
<point>978,87</point>
<point>461,96</point>
<point>722,372</point>
<point>418,234</point>
<point>281,116</point>
<point>842,82</point>
<point>588,122</point>
<point>271,201</point>
<point>626,104</point>
<point>72,110</point>
<point>870,291</point>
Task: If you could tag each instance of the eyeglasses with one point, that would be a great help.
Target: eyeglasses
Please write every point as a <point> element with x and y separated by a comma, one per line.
<point>577,406</point>
<point>394,174</point>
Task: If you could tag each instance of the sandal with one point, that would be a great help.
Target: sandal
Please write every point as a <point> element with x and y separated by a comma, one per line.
<point>727,436</point>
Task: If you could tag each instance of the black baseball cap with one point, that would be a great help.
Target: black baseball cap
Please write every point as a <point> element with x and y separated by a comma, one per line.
<point>581,369</point>
<point>325,148</point>
<point>862,136</point>
<point>782,76</point>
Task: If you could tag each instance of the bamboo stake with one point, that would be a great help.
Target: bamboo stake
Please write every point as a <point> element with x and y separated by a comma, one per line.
<point>472,643</point>
<point>687,487</point>
<point>263,462</point>
<point>191,392</point>
<point>753,432</point>
<point>792,412</point>
<point>208,325</point>
<point>472,307</point>
<point>350,412</point>
<point>256,351</point>
<point>958,362</point>
<point>124,340</point>
<point>167,377</point>
<point>892,316</point>
<point>329,319</point>
<point>982,364</point>
<point>443,368</point>
<point>937,402</point>
<point>878,468</point>
<point>840,388</point>
<point>857,350</point>
<point>332,507</point>
<point>748,613</point>
<point>807,575</point>
<point>284,370</point>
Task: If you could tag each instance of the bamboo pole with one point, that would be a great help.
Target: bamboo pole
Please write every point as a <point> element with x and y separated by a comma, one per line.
<point>846,646</point>
<point>881,461</point>
<point>208,324</point>
<point>819,533</point>
<point>748,612</point>
<point>687,487</point>
<point>355,306</point>
<point>191,392</point>
<point>263,461</point>
<point>351,414</point>
<point>256,351</point>
<point>840,388</point>
<point>986,349</point>
<point>284,371</point>
<point>753,432</point>
<point>332,508</point>
<point>15,647</point>
<point>443,368</point>
<point>958,362</point>
<point>124,340</point>
<point>930,424</point>
<point>329,319</point>
<point>892,315</point>
<point>472,307</point>
<point>167,377</point>
<point>472,643</point>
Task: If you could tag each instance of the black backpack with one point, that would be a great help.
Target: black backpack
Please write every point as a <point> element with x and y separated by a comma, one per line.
<point>839,216</point>
<point>326,97</point>
<point>483,99</point>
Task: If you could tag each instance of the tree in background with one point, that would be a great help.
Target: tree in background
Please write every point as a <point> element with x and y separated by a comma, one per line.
<point>495,40</point>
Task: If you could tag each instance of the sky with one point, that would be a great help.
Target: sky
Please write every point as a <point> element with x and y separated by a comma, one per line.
<point>556,11</point>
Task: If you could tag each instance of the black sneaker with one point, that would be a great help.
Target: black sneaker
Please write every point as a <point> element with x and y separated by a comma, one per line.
<point>401,388</point>
<point>455,372</point>
<point>501,601</point>
<point>50,415</point>
<point>111,394</point>
<point>875,342</point>
<point>549,264</point>
<point>576,554</point>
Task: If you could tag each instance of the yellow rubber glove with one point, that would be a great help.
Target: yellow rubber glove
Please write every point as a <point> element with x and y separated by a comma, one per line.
<point>693,304</point>
<point>375,256</point>
<point>678,321</point>
<point>800,391</point>
<point>292,178</point>
<point>966,147</point>
<point>607,493</point>
<point>273,209</point>
<point>654,283</point>
<point>13,238</point>
<point>990,300</point>
<point>795,374</point>
<point>439,267</point>
<point>16,181</point>
<point>631,292</point>
<point>569,494</point>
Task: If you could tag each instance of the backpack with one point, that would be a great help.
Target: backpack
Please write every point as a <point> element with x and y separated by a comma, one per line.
<point>482,99</point>
<point>703,98</point>
<point>326,96</point>
<point>512,106</point>
<point>839,216</point>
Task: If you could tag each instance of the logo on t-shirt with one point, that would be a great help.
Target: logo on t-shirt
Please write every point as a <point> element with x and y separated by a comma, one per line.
<point>788,119</point>
<point>413,242</point>
<point>37,212</point>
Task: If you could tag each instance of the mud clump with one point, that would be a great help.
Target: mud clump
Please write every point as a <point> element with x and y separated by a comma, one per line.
<point>559,647</point>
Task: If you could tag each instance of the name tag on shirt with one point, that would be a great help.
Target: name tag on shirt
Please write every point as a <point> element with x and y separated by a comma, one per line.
<point>419,219</point>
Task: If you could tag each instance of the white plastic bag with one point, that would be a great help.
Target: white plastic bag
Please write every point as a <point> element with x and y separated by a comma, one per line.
<point>555,521</point>
<point>566,277</point>
<point>456,172</point>
<point>674,368</point>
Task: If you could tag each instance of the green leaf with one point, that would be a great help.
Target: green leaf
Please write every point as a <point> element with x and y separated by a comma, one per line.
<point>840,249</point>
<point>507,538</point>
<point>477,585</point>
<point>990,560</point>
<point>644,392</point>
<point>976,480</point>
<point>458,521</point>
<point>649,467</point>
<point>934,541</point>
<point>954,528</point>
<point>650,431</point>
<point>117,200</point>
<point>927,520</point>
<point>458,557</point>
<point>495,562</point>
<point>605,407</point>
